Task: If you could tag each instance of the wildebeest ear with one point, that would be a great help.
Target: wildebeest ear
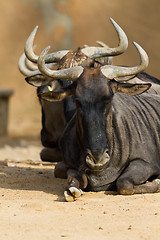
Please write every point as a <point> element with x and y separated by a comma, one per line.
<point>38,80</point>
<point>129,88</point>
<point>58,95</point>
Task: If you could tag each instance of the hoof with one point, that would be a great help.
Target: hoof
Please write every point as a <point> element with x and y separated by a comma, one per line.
<point>157,181</point>
<point>75,192</point>
<point>72,193</point>
<point>68,196</point>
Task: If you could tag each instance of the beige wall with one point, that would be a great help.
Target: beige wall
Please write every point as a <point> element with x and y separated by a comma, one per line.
<point>67,24</point>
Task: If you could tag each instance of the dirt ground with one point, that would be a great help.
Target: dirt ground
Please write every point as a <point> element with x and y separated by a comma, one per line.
<point>32,205</point>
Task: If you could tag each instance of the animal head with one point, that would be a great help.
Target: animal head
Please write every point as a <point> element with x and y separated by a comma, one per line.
<point>92,90</point>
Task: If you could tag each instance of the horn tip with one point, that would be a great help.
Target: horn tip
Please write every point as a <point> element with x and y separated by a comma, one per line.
<point>45,51</point>
<point>35,29</point>
<point>48,47</point>
<point>111,19</point>
<point>114,23</point>
<point>139,48</point>
<point>136,44</point>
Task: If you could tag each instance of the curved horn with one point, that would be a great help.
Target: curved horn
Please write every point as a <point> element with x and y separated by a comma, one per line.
<point>96,52</point>
<point>29,50</point>
<point>112,72</point>
<point>23,69</point>
<point>30,65</point>
<point>28,68</point>
<point>68,73</point>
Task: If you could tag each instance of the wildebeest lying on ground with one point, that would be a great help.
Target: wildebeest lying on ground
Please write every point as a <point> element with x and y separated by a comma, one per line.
<point>55,115</point>
<point>114,137</point>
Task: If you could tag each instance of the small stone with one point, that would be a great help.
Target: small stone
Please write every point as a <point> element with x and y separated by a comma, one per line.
<point>100,228</point>
<point>130,227</point>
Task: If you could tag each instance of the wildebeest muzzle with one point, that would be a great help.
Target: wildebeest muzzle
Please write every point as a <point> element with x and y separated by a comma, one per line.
<point>97,160</point>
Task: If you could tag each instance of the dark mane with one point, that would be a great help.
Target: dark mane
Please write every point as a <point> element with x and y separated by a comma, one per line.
<point>148,78</point>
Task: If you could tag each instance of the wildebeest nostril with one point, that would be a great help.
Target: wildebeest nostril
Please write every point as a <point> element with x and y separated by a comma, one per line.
<point>98,155</point>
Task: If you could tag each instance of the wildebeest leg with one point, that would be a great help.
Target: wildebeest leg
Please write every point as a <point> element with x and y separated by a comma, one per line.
<point>51,155</point>
<point>76,182</point>
<point>60,170</point>
<point>133,179</point>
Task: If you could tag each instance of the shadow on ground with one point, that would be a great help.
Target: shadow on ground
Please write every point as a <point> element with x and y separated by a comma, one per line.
<point>29,176</point>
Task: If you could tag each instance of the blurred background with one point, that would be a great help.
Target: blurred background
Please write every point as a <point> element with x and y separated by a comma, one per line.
<point>68,24</point>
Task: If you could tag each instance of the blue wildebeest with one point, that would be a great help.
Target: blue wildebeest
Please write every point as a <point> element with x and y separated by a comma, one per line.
<point>113,139</point>
<point>55,115</point>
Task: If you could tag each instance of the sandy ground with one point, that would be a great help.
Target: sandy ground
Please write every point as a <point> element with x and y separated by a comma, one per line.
<point>32,205</point>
